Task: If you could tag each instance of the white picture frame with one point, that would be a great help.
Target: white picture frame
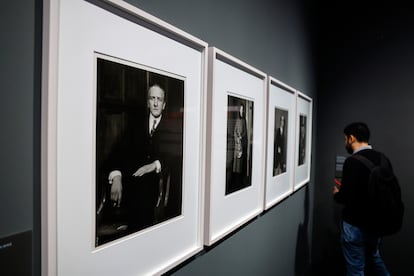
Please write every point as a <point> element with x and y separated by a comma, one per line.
<point>303,145</point>
<point>281,125</point>
<point>75,31</point>
<point>232,81</point>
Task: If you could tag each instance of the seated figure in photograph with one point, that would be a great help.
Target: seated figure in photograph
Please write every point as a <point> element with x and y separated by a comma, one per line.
<point>141,177</point>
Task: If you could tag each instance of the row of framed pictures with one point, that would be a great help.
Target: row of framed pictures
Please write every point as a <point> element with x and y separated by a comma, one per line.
<point>155,144</point>
<point>259,143</point>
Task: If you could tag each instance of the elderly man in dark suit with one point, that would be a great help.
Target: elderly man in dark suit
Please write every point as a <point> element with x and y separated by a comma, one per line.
<point>143,164</point>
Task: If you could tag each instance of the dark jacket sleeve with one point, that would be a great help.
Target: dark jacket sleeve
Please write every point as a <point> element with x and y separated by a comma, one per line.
<point>347,190</point>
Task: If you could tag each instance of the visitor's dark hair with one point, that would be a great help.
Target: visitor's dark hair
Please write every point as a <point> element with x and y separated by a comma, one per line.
<point>359,130</point>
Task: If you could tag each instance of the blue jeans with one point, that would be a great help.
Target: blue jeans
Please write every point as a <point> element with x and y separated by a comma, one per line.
<point>360,247</point>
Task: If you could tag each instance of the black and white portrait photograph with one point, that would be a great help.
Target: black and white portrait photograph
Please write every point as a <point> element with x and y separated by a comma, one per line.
<point>139,148</point>
<point>280,141</point>
<point>239,144</point>
<point>302,140</point>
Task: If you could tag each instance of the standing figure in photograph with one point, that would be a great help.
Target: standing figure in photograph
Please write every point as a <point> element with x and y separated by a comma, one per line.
<point>143,165</point>
<point>240,148</point>
<point>302,140</point>
<point>280,148</point>
<point>239,144</point>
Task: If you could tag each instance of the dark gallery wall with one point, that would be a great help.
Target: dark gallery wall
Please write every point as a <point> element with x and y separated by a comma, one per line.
<point>365,73</point>
<point>20,75</point>
<point>17,94</point>
<point>272,36</point>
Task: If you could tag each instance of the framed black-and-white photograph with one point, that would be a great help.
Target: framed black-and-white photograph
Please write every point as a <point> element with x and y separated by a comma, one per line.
<point>280,141</point>
<point>124,135</point>
<point>235,147</point>
<point>303,139</point>
<point>139,146</point>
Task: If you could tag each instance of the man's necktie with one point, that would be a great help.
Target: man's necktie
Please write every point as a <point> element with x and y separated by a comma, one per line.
<point>153,127</point>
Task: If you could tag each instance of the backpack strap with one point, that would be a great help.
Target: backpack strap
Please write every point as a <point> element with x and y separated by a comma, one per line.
<point>367,163</point>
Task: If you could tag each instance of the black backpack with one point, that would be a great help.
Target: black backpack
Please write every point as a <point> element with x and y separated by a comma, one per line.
<point>384,197</point>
